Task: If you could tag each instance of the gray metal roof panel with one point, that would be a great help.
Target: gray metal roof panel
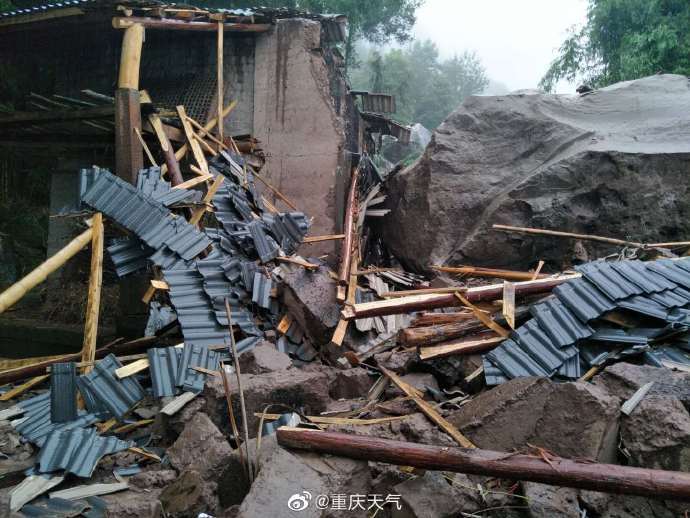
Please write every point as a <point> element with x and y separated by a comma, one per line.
<point>608,280</point>
<point>261,290</point>
<point>119,396</point>
<point>128,255</point>
<point>514,362</point>
<point>77,451</point>
<point>191,380</point>
<point>537,344</point>
<point>670,298</point>
<point>648,280</point>
<point>63,392</point>
<point>164,365</point>
<point>671,271</point>
<point>645,306</point>
<point>492,374</point>
<point>557,321</point>
<point>609,334</point>
<point>571,368</point>
<point>584,299</point>
<point>266,248</point>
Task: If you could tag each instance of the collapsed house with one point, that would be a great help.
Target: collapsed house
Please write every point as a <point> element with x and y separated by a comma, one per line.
<point>557,391</point>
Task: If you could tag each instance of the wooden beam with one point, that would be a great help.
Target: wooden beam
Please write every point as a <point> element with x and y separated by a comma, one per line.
<point>93,304</point>
<point>462,347</point>
<point>132,368</point>
<point>341,328</point>
<point>508,309</point>
<point>130,57</point>
<point>182,151</point>
<point>275,191</point>
<point>220,92</point>
<point>20,389</point>
<point>171,164</point>
<point>427,335</point>
<point>428,410</point>
<point>208,198</point>
<point>191,140</point>
<point>541,468</point>
<point>433,301</point>
<point>176,24</point>
<point>298,262</point>
<point>39,274</point>
<point>483,317</point>
<point>149,155</point>
<point>194,181</point>
<point>349,230</point>
<point>318,239</point>
<point>97,112</point>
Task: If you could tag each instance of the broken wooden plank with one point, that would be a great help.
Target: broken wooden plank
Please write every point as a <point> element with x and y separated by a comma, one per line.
<point>476,271</point>
<point>427,335</point>
<point>208,198</point>
<point>460,347</point>
<point>132,368</point>
<point>20,389</point>
<point>483,317</point>
<point>149,155</point>
<point>318,419</point>
<point>194,181</point>
<point>553,470</point>
<point>341,328</point>
<point>319,239</point>
<point>508,309</point>
<point>191,141</point>
<point>421,291</point>
<point>93,303</point>
<point>428,410</point>
<point>178,403</point>
<point>537,270</point>
<point>630,405</point>
<point>299,262</point>
<point>172,166</point>
<point>443,300</point>
<point>133,426</point>
<point>349,230</point>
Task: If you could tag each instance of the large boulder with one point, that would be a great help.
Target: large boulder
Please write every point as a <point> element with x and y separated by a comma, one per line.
<point>574,420</point>
<point>613,162</point>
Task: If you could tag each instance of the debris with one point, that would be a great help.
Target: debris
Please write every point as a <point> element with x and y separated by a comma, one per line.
<point>460,347</point>
<point>558,471</point>
<point>264,358</point>
<point>476,271</point>
<point>629,406</point>
<point>178,403</point>
<point>31,487</point>
<point>79,492</point>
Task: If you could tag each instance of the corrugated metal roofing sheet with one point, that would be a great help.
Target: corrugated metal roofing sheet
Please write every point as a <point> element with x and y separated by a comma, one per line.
<point>584,299</point>
<point>119,396</point>
<point>128,255</point>
<point>77,451</point>
<point>261,290</point>
<point>559,323</point>
<point>191,380</point>
<point>608,280</point>
<point>266,247</point>
<point>63,392</point>
<point>164,365</point>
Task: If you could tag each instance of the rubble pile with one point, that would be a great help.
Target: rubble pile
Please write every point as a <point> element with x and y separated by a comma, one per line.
<point>270,385</point>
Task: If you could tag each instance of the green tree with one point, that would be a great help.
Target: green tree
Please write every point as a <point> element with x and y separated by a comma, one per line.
<point>623,40</point>
<point>426,88</point>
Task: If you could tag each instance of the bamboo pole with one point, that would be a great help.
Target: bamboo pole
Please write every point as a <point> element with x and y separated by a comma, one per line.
<point>556,233</point>
<point>652,483</point>
<point>20,288</point>
<point>88,351</point>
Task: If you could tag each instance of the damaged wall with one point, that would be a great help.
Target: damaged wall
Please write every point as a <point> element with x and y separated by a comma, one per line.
<point>297,123</point>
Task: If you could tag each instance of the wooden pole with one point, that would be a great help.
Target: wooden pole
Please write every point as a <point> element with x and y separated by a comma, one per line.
<point>129,158</point>
<point>170,23</point>
<point>349,231</point>
<point>651,483</point>
<point>431,301</point>
<point>476,271</point>
<point>39,274</point>
<point>427,335</point>
<point>463,347</point>
<point>88,351</point>
<point>556,233</point>
<point>220,91</point>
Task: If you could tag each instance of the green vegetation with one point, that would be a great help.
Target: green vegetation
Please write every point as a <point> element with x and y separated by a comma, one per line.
<point>623,40</point>
<point>426,88</point>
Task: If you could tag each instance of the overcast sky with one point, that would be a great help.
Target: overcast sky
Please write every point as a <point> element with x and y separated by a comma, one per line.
<point>516,40</point>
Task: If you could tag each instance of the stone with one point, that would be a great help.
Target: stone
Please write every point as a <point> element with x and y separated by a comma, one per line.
<point>551,501</point>
<point>310,299</point>
<point>396,361</point>
<point>168,428</point>
<point>297,478</point>
<point>351,384</point>
<point>574,420</point>
<point>564,162</point>
<point>431,496</point>
<point>200,447</point>
<point>623,379</point>
<point>134,503</point>
<point>264,358</point>
<point>190,495</point>
<point>153,478</point>
<point>294,388</point>
<point>657,434</point>
<point>606,505</point>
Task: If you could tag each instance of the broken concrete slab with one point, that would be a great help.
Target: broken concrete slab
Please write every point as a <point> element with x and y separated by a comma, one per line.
<point>657,434</point>
<point>575,420</point>
<point>200,435</point>
<point>311,300</point>
<point>293,388</point>
<point>263,358</point>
